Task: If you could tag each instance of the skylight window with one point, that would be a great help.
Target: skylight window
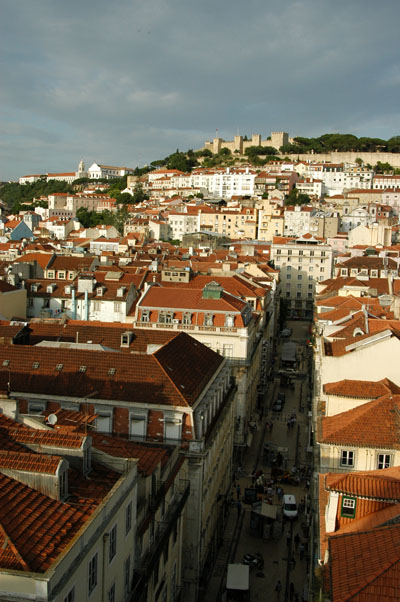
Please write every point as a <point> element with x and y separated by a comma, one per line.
<point>59,367</point>
<point>111,371</point>
<point>82,368</point>
<point>6,363</point>
<point>35,365</point>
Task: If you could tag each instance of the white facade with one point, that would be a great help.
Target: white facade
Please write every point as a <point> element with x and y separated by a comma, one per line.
<point>182,223</point>
<point>297,220</point>
<point>301,266</point>
<point>97,171</point>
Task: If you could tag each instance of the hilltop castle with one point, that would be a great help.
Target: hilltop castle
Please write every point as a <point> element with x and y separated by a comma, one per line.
<point>239,144</point>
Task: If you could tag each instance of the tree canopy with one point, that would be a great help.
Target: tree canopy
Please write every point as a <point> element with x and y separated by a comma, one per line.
<point>341,143</point>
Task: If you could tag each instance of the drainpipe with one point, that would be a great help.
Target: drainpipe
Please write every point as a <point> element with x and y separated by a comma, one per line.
<point>73,305</point>
<point>86,306</point>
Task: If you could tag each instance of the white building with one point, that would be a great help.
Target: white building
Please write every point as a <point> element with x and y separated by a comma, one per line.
<point>302,262</point>
<point>298,219</point>
<point>97,170</point>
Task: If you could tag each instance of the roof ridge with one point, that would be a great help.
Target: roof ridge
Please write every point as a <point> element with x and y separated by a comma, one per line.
<point>9,541</point>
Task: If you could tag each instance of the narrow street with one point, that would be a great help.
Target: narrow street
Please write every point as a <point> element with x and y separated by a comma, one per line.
<point>279,451</point>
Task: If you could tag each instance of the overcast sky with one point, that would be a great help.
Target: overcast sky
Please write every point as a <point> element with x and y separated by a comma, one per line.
<point>127,82</point>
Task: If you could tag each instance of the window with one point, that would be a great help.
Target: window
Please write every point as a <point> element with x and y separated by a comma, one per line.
<point>348,507</point>
<point>299,277</point>
<point>347,458</point>
<point>82,368</point>
<point>128,518</point>
<point>384,461</point>
<point>310,286</point>
<point>145,316</point>
<point>117,306</point>
<point>96,305</point>
<point>92,573</point>
<point>187,318</point>
<point>111,594</point>
<point>288,276</point>
<point>138,425</point>
<point>103,422</point>
<point>35,365</point>
<point>208,319</point>
<point>112,543</point>
<point>127,570</point>
<point>229,320</point>
<point>70,597</point>
<point>6,363</point>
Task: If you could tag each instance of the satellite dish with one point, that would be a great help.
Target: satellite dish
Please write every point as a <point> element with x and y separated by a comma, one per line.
<point>52,419</point>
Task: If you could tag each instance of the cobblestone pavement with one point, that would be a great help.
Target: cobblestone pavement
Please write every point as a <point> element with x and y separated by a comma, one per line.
<point>284,547</point>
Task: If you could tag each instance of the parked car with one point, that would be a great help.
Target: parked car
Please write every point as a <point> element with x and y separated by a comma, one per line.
<point>289,506</point>
<point>281,397</point>
<point>277,406</point>
<point>286,332</point>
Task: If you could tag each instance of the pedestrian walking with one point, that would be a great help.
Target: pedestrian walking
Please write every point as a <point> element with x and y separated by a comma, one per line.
<point>288,539</point>
<point>253,477</point>
<point>292,563</point>
<point>278,589</point>
<point>238,491</point>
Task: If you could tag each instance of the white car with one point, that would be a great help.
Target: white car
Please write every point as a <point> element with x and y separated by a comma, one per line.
<point>286,332</point>
<point>289,506</point>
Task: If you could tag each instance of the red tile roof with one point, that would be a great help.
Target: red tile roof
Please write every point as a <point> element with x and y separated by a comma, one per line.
<point>361,389</point>
<point>29,462</point>
<point>373,424</point>
<point>148,457</point>
<point>34,529</point>
<point>140,377</point>
<point>365,567</point>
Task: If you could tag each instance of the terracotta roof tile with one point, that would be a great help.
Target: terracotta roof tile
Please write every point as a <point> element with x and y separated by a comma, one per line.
<point>361,389</point>
<point>29,462</point>
<point>373,424</point>
<point>148,457</point>
<point>366,566</point>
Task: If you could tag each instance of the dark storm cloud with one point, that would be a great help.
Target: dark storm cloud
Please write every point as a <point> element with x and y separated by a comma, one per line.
<point>128,82</point>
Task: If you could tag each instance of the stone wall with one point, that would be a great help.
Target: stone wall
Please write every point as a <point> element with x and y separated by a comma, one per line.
<point>350,157</point>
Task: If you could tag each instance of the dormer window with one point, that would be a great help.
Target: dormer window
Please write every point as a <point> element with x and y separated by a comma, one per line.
<point>50,288</point>
<point>121,291</point>
<point>229,320</point>
<point>100,291</point>
<point>208,319</point>
<point>165,317</point>
<point>145,316</point>
<point>348,507</point>
<point>35,288</point>
<point>187,318</point>
<point>126,338</point>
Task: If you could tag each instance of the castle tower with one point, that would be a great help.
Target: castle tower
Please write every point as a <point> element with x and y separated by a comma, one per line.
<point>279,139</point>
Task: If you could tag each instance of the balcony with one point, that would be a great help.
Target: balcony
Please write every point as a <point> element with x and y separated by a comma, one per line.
<point>190,327</point>
<point>147,562</point>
